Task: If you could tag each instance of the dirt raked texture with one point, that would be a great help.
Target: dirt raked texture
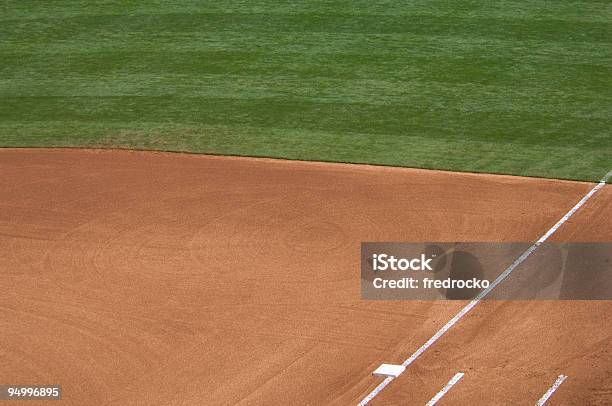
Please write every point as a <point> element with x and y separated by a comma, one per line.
<point>137,278</point>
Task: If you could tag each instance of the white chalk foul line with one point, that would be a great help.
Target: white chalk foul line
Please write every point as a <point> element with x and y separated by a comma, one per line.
<point>551,390</point>
<point>492,286</point>
<point>445,389</point>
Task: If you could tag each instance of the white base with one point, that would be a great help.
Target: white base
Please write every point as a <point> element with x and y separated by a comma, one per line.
<point>389,370</point>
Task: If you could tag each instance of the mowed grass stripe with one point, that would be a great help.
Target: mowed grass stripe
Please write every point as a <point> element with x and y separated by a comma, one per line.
<point>403,97</point>
<point>312,144</point>
<point>47,30</point>
<point>483,82</point>
<point>564,10</point>
<point>494,68</point>
<point>385,120</point>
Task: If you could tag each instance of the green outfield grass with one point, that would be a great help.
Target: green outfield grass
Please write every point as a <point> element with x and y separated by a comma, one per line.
<point>518,87</point>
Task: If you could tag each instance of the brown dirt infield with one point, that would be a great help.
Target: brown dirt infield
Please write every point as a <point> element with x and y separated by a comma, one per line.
<point>140,278</point>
